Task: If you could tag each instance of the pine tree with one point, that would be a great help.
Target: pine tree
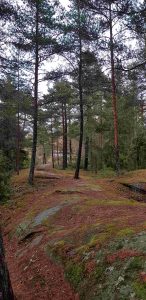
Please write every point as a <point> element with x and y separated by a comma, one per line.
<point>78,33</point>
<point>39,26</point>
<point>109,13</point>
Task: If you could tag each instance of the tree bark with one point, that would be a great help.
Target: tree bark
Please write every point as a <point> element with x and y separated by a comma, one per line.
<point>18,128</point>
<point>142,109</point>
<point>44,156</point>
<point>24,122</point>
<point>70,150</point>
<point>114,98</point>
<point>6,292</point>
<point>76,176</point>
<point>101,135</point>
<point>70,142</point>
<point>86,154</point>
<point>64,126</point>
<point>63,129</point>
<point>65,135</point>
<point>52,145</point>
<point>35,100</point>
<point>137,156</point>
<point>91,153</point>
<point>57,151</point>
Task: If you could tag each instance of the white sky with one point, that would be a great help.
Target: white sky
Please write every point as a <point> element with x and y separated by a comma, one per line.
<point>64,2</point>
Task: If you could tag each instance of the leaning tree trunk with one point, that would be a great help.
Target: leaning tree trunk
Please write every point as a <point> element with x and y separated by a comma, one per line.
<point>114,99</point>
<point>35,101</point>
<point>76,176</point>
<point>6,292</point>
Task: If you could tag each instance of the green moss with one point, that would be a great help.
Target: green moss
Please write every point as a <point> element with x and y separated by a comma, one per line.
<point>54,253</point>
<point>119,245</point>
<point>93,187</point>
<point>140,290</point>
<point>82,249</point>
<point>111,228</point>
<point>136,264</point>
<point>22,228</point>
<point>61,243</point>
<point>30,215</point>
<point>102,237</point>
<point>104,173</point>
<point>74,273</point>
<point>93,241</point>
<point>95,202</point>
<point>125,231</point>
<point>68,191</point>
<point>99,272</point>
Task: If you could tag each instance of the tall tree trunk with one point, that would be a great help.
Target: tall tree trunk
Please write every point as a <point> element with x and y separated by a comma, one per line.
<point>52,145</point>
<point>91,153</point>
<point>101,135</point>
<point>6,292</point>
<point>70,141</point>
<point>142,110</point>
<point>114,98</point>
<point>101,150</point>
<point>64,126</point>
<point>65,135</point>
<point>44,155</point>
<point>95,161</point>
<point>24,123</point>
<point>86,160</point>
<point>63,146</point>
<point>76,176</point>
<point>70,150</point>
<point>18,127</point>
<point>137,157</point>
<point>35,100</point>
<point>57,151</point>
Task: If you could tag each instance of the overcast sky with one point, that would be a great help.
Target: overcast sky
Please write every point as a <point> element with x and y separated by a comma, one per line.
<point>64,2</point>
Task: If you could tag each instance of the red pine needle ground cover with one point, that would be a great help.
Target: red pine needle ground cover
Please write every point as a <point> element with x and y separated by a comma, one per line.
<point>92,212</point>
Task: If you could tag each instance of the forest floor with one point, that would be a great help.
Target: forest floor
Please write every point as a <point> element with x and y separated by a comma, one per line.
<point>69,239</point>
